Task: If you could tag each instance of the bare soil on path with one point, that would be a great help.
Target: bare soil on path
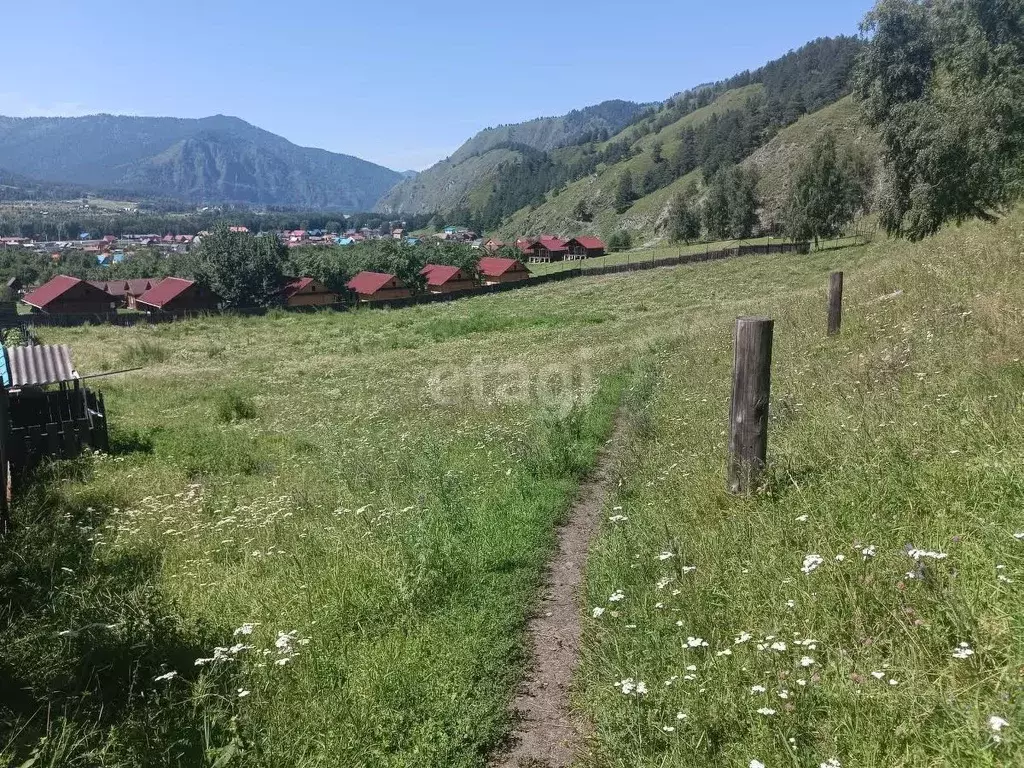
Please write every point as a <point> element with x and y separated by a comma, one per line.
<point>548,734</point>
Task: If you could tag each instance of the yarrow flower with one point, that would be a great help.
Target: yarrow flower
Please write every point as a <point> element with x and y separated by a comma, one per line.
<point>165,676</point>
<point>696,642</point>
<point>617,519</point>
<point>806,661</point>
<point>617,596</point>
<point>630,686</point>
<point>245,629</point>
<point>917,554</point>
<point>831,763</point>
<point>766,711</point>
<point>242,693</point>
<point>811,563</point>
<point>779,646</point>
<point>757,689</point>
<point>963,651</point>
<point>665,556</point>
<point>868,551</point>
<point>743,637</point>
<point>596,613</point>
<point>997,723</point>
<point>756,764</point>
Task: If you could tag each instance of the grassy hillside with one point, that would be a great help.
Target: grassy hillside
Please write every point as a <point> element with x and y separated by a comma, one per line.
<point>466,176</point>
<point>598,190</point>
<point>372,496</point>
<point>776,160</point>
<point>646,218</point>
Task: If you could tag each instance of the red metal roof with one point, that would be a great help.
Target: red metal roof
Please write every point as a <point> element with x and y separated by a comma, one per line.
<point>296,285</point>
<point>369,282</point>
<point>590,243</point>
<point>439,274</point>
<point>491,266</point>
<point>166,290</point>
<point>51,290</point>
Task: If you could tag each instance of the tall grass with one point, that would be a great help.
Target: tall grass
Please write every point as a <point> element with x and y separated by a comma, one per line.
<point>380,528</point>
<point>832,603</point>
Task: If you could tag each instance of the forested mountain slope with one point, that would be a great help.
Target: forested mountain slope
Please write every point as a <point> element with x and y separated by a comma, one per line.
<point>213,159</point>
<point>467,175</point>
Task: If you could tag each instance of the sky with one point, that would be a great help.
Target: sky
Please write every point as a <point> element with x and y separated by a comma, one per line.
<point>402,83</point>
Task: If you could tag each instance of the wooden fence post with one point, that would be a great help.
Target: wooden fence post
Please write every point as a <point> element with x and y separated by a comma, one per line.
<point>835,303</point>
<point>748,416</point>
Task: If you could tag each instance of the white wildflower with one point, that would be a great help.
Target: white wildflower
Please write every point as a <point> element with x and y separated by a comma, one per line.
<point>696,642</point>
<point>617,519</point>
<point>596,613</point>
<point>783,694</point>
<point>756,764</point>
<point>742,638</point>
<point>242,693</point>
<point>962,651</point>
<point>806,661</point>
<point>868,551</point>
<point>811,562</point>
<point>802,519</point>
<point>245,629</point>
<point>617,596</point>
<point>840,558</point>
<point>663,582</point>
<point>917,554</point>
<point>878,675</point>
<point>681,715</point>
<point>997,723</point>
<point>831,763</point>
<point>779,646</point>
<point>667,728</point>
<point>726,652</point>
<point>166,676</point>
<point>757,689</point>
<point>767,711</point>
<point>666,556</point>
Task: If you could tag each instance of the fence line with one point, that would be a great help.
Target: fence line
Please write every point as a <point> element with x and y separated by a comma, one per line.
<point>153,318</point>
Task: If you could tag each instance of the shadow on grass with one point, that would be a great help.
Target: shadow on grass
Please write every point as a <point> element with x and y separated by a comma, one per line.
<point>86,633</point>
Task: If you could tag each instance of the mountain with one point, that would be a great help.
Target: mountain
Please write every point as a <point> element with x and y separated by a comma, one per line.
<point>762,119</point>
<point>210,160</point>
<point>465,175</point>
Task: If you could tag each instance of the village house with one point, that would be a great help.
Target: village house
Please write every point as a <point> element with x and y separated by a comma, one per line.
<point>307,292</point>
<point>494,270</point>
<point>585,247</point>
<point>446,279</point>
<point>491,245</point>
<point>546,249</point>
<point>174,294</point>
<point>377,286</point>
<point>70,296</point>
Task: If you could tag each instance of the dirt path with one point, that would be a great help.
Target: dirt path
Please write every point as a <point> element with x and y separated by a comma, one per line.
<point>547,734</point>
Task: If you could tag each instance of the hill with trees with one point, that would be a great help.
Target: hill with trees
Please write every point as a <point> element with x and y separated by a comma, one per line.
<point>210,160</point>
<point>467,177</point>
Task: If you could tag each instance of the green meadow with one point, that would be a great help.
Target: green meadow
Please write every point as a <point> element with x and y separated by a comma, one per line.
<point>318,538</point>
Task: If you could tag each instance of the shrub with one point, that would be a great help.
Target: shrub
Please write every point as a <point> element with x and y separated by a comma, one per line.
<point>233,406</point>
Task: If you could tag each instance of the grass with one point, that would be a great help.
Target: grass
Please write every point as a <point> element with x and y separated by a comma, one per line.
<point>904,433</point>
<point>383,519</point>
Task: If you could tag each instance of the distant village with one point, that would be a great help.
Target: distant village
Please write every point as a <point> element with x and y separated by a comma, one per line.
<point>66,295</point>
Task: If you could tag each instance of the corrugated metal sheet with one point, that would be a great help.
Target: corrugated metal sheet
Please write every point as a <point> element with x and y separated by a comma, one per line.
<point>38,365</point>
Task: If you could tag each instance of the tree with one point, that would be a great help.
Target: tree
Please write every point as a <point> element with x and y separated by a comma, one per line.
<point>943,82</point>
<point>656,152</point>
<point>620,241</point>
<point>715,211</point>
<point>650,181</point>
<point>743,202</point>
<point>824,195</point>
<point>624,193</point>
<point>241,268</point>
<point>581,211</point>
<point>684,220</point>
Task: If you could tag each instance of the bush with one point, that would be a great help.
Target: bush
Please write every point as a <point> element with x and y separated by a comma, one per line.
<point>233,406</point>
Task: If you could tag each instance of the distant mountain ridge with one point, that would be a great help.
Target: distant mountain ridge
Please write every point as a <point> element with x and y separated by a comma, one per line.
<point>468,171</point>
<point>215,159</point>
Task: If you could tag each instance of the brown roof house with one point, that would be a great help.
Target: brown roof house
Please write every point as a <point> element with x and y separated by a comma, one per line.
<point>494,270</point>
<point>445,279</point>
<point>585,247</point>
<point>377,286</point>
<point>64,295</point>
<point>307,292</point>
<point>173,294</point>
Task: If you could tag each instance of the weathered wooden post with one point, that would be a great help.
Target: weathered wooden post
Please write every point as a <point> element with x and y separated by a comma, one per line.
<point>751,387</point>
<point>835,303</point>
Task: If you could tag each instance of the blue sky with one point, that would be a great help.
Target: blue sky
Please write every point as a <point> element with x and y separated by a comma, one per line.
<point>402,83</point>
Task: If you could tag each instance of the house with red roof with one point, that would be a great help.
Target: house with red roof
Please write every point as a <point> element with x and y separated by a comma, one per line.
<point>377,286</point>
<point>494,270</point>
<point>442,278</point>
<point>585,247</point>
<point>307,292</point>
<point>174,294</point>
<point>543,249</point>
<point>64,295</point>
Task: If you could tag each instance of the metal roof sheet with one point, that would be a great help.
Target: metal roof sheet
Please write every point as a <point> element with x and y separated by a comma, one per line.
<point>38,365</point>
